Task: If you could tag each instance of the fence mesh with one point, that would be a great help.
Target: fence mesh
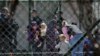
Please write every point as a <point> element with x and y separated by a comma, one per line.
<point>15,30</point>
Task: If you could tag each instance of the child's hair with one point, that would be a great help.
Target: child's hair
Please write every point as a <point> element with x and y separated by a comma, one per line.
<point>43,25</point>
<point>62,37</point>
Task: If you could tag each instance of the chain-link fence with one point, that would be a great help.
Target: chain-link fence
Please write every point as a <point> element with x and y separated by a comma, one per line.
<point>21,37</point>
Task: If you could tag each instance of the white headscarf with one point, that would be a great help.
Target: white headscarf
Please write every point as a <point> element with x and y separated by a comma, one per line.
<point>43,31</point>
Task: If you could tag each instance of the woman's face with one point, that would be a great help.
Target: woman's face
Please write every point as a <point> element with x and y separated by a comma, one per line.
<point>34,27</point>
<point>34,14</point>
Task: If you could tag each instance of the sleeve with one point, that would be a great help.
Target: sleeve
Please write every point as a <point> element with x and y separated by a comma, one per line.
<point>57,46</point>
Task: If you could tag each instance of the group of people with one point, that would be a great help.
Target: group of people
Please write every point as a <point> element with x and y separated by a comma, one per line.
<point>52,37</point>
<point>49,37</point>
<point>41,36</point>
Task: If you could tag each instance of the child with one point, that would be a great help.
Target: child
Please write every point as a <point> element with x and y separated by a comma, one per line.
<point>43,29</point>
<point>63,45</point>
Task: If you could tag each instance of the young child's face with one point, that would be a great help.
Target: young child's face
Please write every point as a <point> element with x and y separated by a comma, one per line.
<point>42,26</point>
<point>62,38</point>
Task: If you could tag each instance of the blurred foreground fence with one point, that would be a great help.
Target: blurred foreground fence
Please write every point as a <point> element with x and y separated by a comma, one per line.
<point>13,32</point>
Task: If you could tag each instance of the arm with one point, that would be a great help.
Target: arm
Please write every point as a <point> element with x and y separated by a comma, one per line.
<point>57,46</point>
<point>39,44</point>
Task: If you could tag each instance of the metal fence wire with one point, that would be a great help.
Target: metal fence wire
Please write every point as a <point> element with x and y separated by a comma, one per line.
<point>21,34</point>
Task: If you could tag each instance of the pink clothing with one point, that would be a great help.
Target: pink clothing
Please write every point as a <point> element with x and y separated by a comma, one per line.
<point>71,36</point>
<point>64,31</point>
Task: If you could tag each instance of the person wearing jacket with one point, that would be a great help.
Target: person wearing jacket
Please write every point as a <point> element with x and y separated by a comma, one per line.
<point>63,45</point>
<point>8,30</point>
<point>33,27</point>
<point>36,18</point>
